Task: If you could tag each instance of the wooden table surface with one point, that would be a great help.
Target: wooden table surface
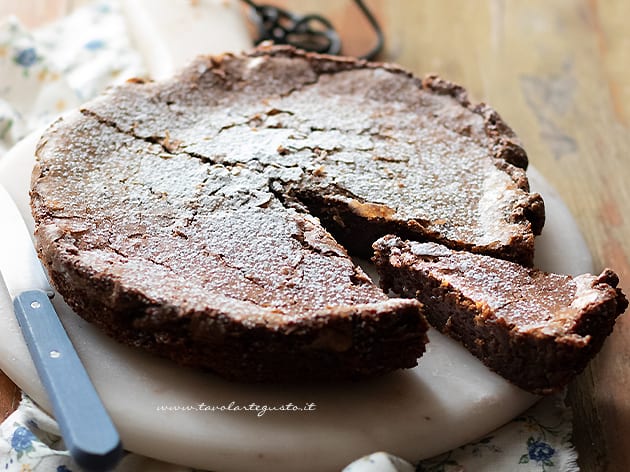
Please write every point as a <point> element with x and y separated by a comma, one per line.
<point>559,73</point>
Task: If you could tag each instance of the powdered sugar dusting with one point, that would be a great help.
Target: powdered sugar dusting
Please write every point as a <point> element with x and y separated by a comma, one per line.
<point>526,299</point>
<point>191,176</point>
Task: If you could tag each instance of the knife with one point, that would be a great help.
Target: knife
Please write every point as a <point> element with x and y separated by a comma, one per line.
<point>86,428</point>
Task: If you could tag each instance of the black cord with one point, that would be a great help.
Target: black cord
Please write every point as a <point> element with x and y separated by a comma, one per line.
<point>311,32</point>
<point>380,38</point>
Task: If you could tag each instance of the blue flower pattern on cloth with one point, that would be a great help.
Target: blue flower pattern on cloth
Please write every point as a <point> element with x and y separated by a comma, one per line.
<point>540,451</point>
<point>26,57</point>
<point>94,44</point>
<point>22,439</point>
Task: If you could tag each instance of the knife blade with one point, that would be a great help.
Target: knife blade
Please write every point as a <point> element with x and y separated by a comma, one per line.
<point>86,427</point>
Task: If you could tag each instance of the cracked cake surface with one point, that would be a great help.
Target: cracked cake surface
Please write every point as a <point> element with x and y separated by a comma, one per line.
<point>351,141</point>
<point>537,329</point>
<point>191,217</point>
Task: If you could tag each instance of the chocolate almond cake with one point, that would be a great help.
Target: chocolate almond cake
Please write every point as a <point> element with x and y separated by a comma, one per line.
<point>187,216</point>
<point>203,264</point>
<point>536,329</point>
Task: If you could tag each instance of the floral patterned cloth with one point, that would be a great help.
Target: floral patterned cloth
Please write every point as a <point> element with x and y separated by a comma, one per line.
<point>538,440</point>
<point>45,72</point>
<point>30,442</point>
<point>55,68</point>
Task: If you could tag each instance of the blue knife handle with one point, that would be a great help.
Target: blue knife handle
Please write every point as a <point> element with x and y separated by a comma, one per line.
<point>86,428</point>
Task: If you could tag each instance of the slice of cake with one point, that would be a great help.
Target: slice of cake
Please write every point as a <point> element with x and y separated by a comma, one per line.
<point>536,329</point>
<point>185,216</point>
